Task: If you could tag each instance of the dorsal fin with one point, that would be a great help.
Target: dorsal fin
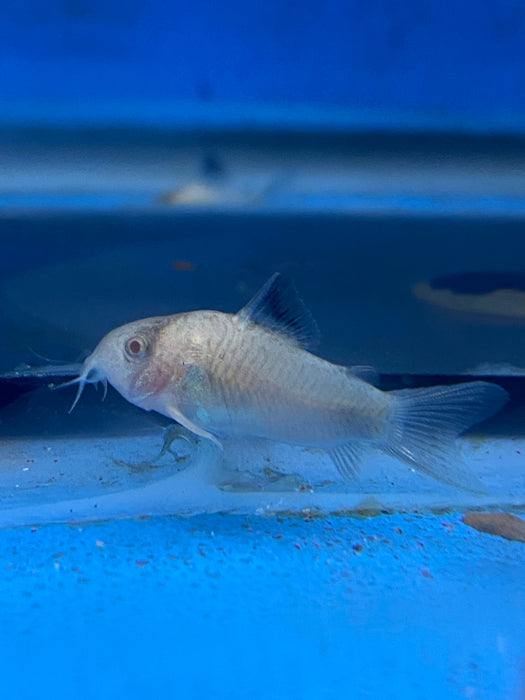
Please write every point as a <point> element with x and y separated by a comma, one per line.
<point>277,306</point>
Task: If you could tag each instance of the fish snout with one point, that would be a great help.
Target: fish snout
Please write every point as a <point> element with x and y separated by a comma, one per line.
<point>91,374</point>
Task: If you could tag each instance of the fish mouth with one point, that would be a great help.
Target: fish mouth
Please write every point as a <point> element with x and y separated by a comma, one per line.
<point>90,374</point>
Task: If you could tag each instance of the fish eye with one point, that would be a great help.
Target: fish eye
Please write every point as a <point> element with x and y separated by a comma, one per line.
<point>136,347</point>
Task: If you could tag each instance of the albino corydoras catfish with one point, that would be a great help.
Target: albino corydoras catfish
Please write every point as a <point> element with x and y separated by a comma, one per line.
<point>251,374</point>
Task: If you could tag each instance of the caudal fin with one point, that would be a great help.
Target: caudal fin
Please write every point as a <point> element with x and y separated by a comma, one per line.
<point>425,423</point>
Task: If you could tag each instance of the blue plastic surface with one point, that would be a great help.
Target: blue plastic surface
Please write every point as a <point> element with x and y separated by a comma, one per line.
<point>385,64</point>
<point>404,606</point>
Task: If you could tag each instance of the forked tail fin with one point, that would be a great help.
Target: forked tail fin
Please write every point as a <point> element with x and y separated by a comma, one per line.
<point>425,423</point>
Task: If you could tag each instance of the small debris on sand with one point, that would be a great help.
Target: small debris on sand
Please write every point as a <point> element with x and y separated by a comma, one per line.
<point>501,524</point>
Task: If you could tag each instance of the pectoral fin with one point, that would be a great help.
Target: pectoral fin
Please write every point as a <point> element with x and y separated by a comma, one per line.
<point>180,418</point>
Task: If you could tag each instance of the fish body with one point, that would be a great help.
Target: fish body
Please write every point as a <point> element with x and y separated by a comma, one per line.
<point>251,374</point>
<point>232,380</point>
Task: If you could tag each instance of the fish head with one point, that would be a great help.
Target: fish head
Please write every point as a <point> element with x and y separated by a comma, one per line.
<point>128,358</point>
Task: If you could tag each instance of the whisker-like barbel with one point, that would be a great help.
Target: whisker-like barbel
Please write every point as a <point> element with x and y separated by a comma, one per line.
<point>87,376</point>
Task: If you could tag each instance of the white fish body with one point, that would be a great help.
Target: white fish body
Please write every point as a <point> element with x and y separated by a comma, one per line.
<point>250,374</point>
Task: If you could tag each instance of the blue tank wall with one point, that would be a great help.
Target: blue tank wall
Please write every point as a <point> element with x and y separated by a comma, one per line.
<point>418,58</point>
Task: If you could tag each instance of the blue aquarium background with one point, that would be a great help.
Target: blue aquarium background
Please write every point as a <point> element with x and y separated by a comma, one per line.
<point>454,65</point>
<point>163,157</point>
